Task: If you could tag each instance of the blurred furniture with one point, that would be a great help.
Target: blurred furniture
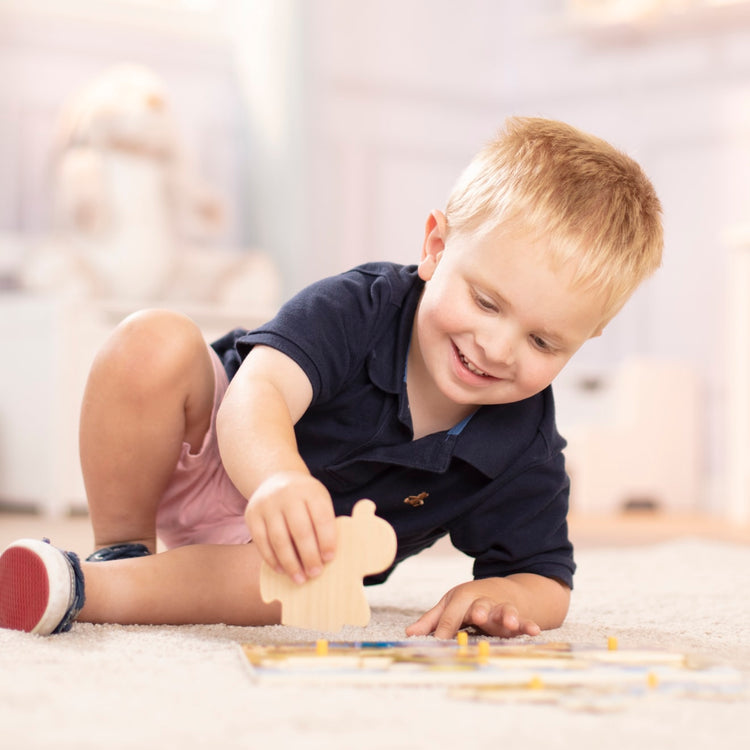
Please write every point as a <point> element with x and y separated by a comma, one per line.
<point>134,225</point>
<point>738,379</point>
<point>645,453</point>
<point>48,345</point>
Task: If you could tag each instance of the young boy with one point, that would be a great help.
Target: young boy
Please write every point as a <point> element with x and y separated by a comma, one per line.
<point>426,389</point>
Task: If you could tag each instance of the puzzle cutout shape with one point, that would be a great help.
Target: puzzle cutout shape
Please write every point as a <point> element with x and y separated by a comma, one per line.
<point>576,677</point>
<point>365,545</point>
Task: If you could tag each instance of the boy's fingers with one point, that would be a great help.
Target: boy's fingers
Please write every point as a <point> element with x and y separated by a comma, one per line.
<point>305,540</point>
<point>427,622</point>
<point>260,536</point>
<point>505,617</point>
<point>444,620</point>
<point>260,539</point>
<point>452,618</point>
<point>528,627</point>
<point>324,523</point>
<point>284,549</point>
<point>480,612</point>
<point>452,613</point>
<point>503,620</point>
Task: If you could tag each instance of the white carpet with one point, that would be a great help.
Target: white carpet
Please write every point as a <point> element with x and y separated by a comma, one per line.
<point>189,687</point>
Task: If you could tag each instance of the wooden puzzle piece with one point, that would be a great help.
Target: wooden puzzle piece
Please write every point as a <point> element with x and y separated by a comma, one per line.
<point>366,545</point>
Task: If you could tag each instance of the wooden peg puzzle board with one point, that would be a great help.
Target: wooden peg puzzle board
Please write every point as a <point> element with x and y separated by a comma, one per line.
<point>590,677</point>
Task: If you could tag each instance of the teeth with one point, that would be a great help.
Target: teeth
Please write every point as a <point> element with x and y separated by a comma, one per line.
<point>471,367</point>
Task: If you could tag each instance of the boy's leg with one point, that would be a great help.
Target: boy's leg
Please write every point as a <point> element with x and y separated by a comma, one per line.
<point>43,589</point>
<point>196,584</point>
<point>150,389</point>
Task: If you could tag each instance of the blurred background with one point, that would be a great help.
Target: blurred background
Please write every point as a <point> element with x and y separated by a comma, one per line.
<point>217,155</point>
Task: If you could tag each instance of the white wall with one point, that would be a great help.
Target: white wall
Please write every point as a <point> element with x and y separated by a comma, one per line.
<point>47,56</point>
<point>402,92</point>
<point>390,98</point>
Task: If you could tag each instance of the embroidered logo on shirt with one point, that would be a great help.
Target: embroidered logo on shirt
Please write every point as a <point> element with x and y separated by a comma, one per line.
<point>416,500</point>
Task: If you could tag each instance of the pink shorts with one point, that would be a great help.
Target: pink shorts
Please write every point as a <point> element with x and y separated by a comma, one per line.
<point>201,505</point>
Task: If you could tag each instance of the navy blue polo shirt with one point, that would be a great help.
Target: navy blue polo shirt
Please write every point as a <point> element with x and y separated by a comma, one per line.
<point>496,483</point>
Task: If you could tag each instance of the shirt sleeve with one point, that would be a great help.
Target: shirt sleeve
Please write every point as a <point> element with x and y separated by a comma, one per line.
<point>520,525</point>
<point>328,328</point>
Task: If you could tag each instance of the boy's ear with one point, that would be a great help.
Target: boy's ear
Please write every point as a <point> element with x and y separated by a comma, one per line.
<point>434,244</point>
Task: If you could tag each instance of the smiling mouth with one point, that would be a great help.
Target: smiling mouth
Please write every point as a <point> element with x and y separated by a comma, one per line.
<point>470,366</point>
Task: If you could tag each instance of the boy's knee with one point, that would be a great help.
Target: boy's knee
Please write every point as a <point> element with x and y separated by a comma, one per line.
<point>152,344</point>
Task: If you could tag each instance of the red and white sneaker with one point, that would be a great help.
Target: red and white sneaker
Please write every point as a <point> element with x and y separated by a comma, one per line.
<point>41,587</point>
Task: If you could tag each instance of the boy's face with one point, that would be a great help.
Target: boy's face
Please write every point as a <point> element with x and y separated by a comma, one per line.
<point>495,324</point>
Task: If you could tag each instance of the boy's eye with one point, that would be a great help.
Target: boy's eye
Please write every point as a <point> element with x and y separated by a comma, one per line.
<point>541,344</point>
<point>485,304</point>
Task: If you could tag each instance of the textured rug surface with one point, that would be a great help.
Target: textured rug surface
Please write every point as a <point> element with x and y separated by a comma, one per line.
<point>190,687</point>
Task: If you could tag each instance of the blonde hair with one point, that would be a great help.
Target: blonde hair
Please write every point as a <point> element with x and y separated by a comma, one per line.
<point>592,203</point>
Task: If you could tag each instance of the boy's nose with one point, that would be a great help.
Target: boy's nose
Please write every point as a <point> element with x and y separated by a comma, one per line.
<point>499,344</point>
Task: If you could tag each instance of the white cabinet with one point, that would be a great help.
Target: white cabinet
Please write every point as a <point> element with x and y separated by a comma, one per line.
<point>642,448</point>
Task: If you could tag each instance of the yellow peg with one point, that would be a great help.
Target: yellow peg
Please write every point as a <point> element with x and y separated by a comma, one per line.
<point>536,683</point>
<point>483,652</point>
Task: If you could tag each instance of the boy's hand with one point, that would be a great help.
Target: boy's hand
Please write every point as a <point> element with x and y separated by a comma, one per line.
<point>291,519</point>
<point>478,603</point>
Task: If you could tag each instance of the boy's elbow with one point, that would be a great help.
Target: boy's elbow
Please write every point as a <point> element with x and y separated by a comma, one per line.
<point>559,598</point>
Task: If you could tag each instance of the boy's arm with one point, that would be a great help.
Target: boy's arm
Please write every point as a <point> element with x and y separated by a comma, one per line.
<point>519,604</point>
<point>289,513</point>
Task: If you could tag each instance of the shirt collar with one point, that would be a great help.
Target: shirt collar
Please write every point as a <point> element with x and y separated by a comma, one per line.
<point>499,435</point>
<point>493,433</point>
<point>387,361</point>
